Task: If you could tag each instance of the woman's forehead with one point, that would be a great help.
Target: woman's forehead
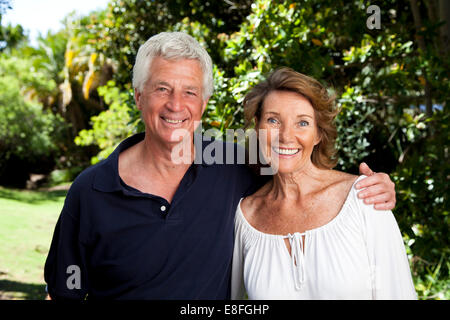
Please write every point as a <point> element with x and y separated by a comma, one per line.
<point>282,101</point>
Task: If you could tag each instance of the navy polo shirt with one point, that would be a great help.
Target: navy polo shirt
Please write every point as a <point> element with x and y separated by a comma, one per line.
<point>112,241</point>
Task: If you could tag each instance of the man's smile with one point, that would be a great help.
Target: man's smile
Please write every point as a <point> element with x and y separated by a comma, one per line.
<point>173,121</point>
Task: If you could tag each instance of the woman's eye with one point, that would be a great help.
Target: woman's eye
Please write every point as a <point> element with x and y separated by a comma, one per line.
<point>272,120</point>
<point>303,123</point>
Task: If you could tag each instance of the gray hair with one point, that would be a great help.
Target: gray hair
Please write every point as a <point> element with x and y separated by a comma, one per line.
<point>172,46</point>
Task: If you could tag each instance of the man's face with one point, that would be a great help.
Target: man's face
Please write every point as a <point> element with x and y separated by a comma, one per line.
<point>172,99</point>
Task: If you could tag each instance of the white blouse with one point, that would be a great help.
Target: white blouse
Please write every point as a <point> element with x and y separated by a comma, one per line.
<point>357,255</point>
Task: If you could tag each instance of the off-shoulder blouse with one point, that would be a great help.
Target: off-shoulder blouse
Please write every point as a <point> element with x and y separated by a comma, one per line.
<point>359,254</point>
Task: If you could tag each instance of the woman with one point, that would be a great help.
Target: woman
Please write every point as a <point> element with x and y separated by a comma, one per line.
<point>305,234</point>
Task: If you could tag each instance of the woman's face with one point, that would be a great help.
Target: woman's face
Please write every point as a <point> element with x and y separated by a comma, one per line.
<point>288,121</point>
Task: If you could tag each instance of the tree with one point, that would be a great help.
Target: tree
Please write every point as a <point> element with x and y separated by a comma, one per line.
<point>10,36</point>
<point>28,134</point>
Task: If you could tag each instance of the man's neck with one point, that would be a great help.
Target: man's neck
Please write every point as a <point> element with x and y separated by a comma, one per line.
<point>165,160</point>
<point>155,169</point>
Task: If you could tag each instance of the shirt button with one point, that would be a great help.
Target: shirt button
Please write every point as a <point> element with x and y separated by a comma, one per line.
<point>163,208</point>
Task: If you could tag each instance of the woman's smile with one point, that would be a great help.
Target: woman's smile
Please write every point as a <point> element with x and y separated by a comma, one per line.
<point>286,152</point>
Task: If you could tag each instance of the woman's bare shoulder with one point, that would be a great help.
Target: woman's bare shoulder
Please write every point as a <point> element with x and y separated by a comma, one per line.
<point>339,183</point>
<point>342,178</point>
<point>251,203</point>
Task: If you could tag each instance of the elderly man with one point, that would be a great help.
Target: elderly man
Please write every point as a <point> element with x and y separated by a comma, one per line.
<point>140,226</point>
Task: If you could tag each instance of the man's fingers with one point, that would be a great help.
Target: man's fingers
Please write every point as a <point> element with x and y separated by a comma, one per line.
<point>385,206</point>
<point>371,191</point>
<point>379,190</point>
<point>378,199</point>
<point>365,170</point>
<point>377,178</point>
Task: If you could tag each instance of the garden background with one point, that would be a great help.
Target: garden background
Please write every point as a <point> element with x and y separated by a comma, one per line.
<point>66,101</point>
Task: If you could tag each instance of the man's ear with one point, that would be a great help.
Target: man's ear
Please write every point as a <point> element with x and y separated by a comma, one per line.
<point>205,103</point>
<point>137,98</point>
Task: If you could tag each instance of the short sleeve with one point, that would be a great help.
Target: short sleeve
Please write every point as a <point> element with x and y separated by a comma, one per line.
<point>391,275</point>
<point>237,278</point>
<point>65,269</point>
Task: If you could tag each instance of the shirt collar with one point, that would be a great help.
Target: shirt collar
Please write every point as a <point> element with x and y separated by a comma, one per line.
<point>107,178</point>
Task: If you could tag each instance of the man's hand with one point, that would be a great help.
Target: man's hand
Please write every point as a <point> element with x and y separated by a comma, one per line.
<point>380,190</point>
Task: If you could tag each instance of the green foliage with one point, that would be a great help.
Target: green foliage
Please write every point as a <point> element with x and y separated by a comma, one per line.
<point>110,126</point>
<point>423,203</point>
<point>11,36</point>
<point>27,131</point>
<point>353,128</point>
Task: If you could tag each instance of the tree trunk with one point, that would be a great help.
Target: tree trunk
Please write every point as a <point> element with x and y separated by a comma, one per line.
<point>421,42</point>
<point>444,30</point>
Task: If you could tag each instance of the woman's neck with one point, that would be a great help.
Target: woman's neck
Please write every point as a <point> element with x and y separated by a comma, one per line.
<point>296,185</point>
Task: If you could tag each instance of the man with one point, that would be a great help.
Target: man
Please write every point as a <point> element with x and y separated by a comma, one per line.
<point>140,225</point>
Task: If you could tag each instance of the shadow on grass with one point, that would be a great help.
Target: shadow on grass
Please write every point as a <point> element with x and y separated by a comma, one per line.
<point>31,196</point>
<point>19,290</point>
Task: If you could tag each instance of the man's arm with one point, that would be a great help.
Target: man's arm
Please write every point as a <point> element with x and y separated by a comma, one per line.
<point>379,189</point>
<point>65,267</point>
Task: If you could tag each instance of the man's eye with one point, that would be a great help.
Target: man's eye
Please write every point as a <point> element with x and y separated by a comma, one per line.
<point>162,89</point>
<point>191,93</point>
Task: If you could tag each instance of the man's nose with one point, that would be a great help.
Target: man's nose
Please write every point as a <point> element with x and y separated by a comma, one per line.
<point>175,102</point>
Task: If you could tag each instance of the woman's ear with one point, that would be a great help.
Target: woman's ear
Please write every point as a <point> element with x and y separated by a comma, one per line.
<point>255,119</point>
<point>318,136</point>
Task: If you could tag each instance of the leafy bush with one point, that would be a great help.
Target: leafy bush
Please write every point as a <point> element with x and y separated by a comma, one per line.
<point>423,204</point>
<point>28,134</point>
<point>110,126</point>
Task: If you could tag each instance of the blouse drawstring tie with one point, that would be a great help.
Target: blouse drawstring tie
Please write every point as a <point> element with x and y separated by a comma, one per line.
<point>297,258</point>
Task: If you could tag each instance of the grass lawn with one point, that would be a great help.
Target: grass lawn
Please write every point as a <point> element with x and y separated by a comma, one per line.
<point>27,220</point>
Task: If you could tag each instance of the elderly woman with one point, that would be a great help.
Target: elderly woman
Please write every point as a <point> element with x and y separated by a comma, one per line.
<point>305,234</point>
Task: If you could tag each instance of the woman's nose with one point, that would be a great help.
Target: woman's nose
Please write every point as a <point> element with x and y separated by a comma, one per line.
<point>286,134</point>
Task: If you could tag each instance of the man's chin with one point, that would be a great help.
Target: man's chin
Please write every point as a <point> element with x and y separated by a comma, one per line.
<point>179,136</point>
<point>174,136</point>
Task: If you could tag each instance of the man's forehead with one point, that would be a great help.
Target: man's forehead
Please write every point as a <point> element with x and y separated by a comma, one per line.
<point>160,60</point>
<point>164,71</point>
<point>187,85</point>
